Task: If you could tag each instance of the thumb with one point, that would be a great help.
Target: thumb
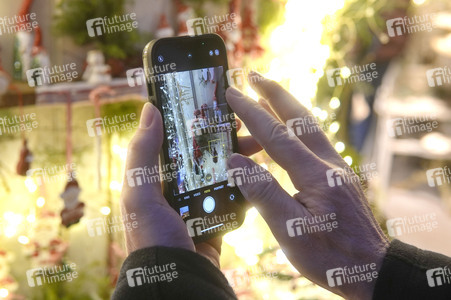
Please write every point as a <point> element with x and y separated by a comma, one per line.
<point>142,168</point>
<point>261,189</point>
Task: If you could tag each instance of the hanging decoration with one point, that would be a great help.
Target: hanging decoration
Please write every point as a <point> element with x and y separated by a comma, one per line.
<point>164,29</point>
<point>40,57</point>
<point>23,43</point>
<point>184,13</point>
<point>73,207</point>
<point>25,155</point>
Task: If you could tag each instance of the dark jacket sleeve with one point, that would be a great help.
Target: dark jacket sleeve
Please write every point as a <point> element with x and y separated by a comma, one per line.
<point>170,273</point>
<point>411,273</point>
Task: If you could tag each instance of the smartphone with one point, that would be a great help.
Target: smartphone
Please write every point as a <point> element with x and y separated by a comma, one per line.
<point>186,80</point>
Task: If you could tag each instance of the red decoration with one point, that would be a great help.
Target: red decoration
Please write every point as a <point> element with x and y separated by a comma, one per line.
<point>164,30</point>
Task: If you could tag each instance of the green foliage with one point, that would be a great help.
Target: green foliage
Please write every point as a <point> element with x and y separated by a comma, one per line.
<point>270,12</point>
<point>70,20</point>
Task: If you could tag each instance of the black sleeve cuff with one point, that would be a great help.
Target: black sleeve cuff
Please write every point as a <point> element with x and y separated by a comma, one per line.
<point>411,273</point>
<point>170,273</point>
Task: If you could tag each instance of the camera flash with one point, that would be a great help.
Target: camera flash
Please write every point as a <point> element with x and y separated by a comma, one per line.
<point>211,52</point>
<point>217,52</point>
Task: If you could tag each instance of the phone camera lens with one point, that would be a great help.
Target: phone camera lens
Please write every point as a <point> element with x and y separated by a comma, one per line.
<point>211,52</point>
<point>190,55</point>
<point>160,58</point>
<point>217,52</point>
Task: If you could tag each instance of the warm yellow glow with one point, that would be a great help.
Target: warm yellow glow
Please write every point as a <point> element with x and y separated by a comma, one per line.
<point>115,186</point>
<point>323,115</point>
<point>31,218</point>
<point>23,240</point>
<point>40,202</point>
<point>118,150</point>
<point>345,72</point>
<point>316,111</point>
<point>348,160</point>
<point>4,293</point>
<point>12,218</point>
<point>8,215</point>
<point>436,143</point>
<point>340,147</point>
<point>30,185</point>
<point>334,127</point>
<point>299,55</point>
<point>334,103</point>
<point>10,231</point>
<point>105,210</point>
<point>418,2</point>
<point>251,260</point>
<point>280,257</point>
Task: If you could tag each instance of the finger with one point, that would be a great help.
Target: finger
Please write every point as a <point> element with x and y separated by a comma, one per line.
<point>268,197</point>
<point>248,146</point>
<point>288,151</point>
<point>268,108</point>
<point>142,170</point>
<point>294,115</point>
<point>238,124</point>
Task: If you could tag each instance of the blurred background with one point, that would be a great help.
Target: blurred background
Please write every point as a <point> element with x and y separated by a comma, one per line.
<point>374,73</point>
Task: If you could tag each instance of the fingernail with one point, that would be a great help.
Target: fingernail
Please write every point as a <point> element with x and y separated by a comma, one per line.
<point>235,92</point>
<point>146,116</point>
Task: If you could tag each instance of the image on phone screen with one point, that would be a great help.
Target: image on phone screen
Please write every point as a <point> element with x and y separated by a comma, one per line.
<point>197,126</point>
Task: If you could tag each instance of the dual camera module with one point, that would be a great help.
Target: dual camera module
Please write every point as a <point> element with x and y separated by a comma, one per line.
<point>190,55</point>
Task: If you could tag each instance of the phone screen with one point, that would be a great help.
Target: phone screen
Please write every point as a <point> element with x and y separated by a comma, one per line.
<point>198,131</point>
<point>198,127</point>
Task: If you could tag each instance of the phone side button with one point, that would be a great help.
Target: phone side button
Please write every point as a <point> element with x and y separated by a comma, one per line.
<point>209,204</point>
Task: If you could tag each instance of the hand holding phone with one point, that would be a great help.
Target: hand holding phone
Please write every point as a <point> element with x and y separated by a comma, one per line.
<point>186,79</point>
